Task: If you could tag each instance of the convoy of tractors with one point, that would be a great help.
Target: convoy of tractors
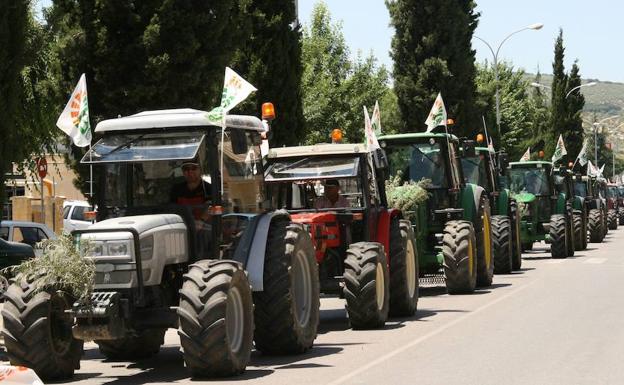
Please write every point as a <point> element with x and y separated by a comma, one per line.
<point>244,266</point>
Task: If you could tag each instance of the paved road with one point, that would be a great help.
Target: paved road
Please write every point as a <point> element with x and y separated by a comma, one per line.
<point>554,322</point>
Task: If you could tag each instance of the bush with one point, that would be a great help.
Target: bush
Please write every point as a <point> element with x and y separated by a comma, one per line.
<point>406,196</point>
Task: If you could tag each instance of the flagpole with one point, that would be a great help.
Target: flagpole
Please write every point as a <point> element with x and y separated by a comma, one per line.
<point>90,174</point>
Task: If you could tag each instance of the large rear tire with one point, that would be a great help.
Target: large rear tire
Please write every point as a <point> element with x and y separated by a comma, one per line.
<point>216,319</point>
<point>558,236</point>
<point>145,344</point>
<point>501,244</point>
<point>38,331</point>
<point>612,219</point>
<point>287,310</point>
<point>594,226</point>
<point>621,215</point>
<point>367,285</point>
<point>460,257</point>
<point>516,244</point>
<point>578,232</point>
<point>403,269</point>
<point>483,233</point>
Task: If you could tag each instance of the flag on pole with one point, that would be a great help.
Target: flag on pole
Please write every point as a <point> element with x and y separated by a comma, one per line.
<point>591,169</point>
<point>560,150</point>
<point>437,115</point>
<point>74,120</point>
<point>582,156</point>
<point>601,170</point>
<point>527,155</point>
<point>235,90</point>
<point>371,139</point>
<point>376,120</point>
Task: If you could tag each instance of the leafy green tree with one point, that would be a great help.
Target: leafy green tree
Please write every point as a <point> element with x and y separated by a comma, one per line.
<point>432,53</point>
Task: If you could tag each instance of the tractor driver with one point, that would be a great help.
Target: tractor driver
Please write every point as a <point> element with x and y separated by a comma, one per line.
<point>331,196</point>
<point>194,191</point>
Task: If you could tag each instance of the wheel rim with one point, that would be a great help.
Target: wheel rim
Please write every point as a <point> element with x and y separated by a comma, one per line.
<point>302,289</point>
<point>4,285</point>
<point>60,325</point>
<point>235,319</point>
<point>487,240</point>
<point>470,259</point>
<point>380,287</point>
<point>411,268</point>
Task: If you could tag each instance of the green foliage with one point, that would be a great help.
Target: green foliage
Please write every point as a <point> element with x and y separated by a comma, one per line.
<point>60,267</point>
<point>432,53</point>
<point>573,129</point>
<point>335,87</point>
<point>406,196</point>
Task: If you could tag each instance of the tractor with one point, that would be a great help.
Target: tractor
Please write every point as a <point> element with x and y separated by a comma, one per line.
<point>565,184</point>
<point>621,204</point>
<point>453,227</point>
<point>584,188</point>
<point>365,251</point>
<point>222,267</point>
<point>612,206</point>
<point>600,186</point>
<point>545,214</point>
<point>484,167</point>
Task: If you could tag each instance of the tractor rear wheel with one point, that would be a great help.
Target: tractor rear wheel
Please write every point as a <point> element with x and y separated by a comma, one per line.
<point>460,257</point>
<point>38,330</point>
<point>516,245</point>
<point>558,236</point>
<point>216,319</point>
<point>403,269</point>
<point>578,232</point>
<point>501,244</point>
<point>612,219</point>
<point>145,344</point>
<point>483,233</point>
<point>287,310</point>
<point>621,215</point>
<point>594,226</point>
<point>367,285</point>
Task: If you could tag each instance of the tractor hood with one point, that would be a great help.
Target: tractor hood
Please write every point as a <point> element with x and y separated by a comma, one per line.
<point>524,197</point>
<point>140,223</point>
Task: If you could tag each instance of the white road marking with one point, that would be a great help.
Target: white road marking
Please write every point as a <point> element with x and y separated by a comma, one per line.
<point>348,376</point>
<point>595,260</point>
<point>555,261</point>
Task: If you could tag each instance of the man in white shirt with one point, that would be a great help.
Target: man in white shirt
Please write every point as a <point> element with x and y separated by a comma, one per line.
<point>331,197</point>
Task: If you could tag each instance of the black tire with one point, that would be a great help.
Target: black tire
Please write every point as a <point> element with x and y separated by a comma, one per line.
<point>621,215</point>
<point>594,226</point>
<point>216,319</point>
<point>287,310</point>
<point>459,248</point>
<point>612,219</point>
<point>145,344</point>
<point>584,232</point>
<point>558,236</point>
<point>403,269</point>
<point>368,301</point>
<point>571,237</point>
<point>578,232</point>
<point>483,234</point>
<point>605,222</point>
<point>516,244</point>
<point>38,332</point>
<point>501,244</point>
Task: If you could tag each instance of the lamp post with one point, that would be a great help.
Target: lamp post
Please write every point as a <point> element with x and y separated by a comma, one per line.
<point>539,85</point>
<point>536,27</point>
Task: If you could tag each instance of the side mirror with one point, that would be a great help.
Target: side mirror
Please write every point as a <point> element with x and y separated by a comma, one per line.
<point>239,141</point>
<point>469,148</point>
<point>503,161</point>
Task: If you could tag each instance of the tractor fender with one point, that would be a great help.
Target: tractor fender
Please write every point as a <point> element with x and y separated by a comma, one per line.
<point>470,197</point>
<point>383,228</point>
<point>561,204</point>
<point>504,196</point>
<point>252,246</point>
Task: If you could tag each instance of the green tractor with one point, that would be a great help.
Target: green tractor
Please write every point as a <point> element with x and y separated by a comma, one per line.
<point>483,167</point>
<point>453,227</point>
<point>565,184</point>
<point>545,214</point>
<point>584,187</point>
<point>600,187</point>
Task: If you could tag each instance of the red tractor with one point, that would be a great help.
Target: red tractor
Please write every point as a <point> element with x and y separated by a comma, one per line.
<point>365,251</point>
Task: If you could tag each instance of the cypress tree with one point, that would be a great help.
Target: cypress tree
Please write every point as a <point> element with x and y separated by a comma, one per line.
<point>558,106</point>
<point>432,53</point>
<point>573,133</point>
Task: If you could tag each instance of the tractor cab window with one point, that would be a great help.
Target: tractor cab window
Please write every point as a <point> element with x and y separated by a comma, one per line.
<point>612,192</point>
<point>419,161</point>
<point>580,189</point>
<point>529,180</point>
<point>474,170</point>
<point>621,191</point>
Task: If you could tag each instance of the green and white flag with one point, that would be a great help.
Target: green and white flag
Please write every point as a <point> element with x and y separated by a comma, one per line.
<point>560,150</point>
<point>527,155</point>
<point>437,115</point>
<point>74,120</point>
<point>582,156</point>
<point>235,90</point>
<point>371,139</point>
<point>376,119</point>
<point>591,169</point>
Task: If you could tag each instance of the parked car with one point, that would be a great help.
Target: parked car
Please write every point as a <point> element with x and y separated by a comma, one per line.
<point>29,233</point>
<point>74,215</point>
<point>12,253</point>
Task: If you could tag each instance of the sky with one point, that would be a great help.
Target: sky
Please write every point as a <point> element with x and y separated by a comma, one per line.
<point>591,32</point>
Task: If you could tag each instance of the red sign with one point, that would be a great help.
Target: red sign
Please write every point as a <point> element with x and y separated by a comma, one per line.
<point>42,167</point>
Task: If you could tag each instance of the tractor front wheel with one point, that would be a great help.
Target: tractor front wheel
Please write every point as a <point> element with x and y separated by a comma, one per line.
<point>483,233</point>
<point>516,244</point>
<point>578,232</point>
<point>621,215</point>
<point>367,286</point>
<point>558,236</point>
<point>501,244</point>
<point>403,269</point>
<point>595,226</point>
<point>460,257</point>
<point>612,220</point>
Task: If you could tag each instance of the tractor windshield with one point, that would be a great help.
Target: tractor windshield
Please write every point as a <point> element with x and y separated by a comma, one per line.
<point>621,191</point>
<point>529,180</point>
<point>418,161</point>
<point>474,170</point>
<point>580,189</point>
<point>612,192</point>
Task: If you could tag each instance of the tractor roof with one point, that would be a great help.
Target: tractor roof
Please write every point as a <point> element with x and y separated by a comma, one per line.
<point>183,117</point>
<point>317,149</point>
<point>485,149</point>
<point>530,164</point>
<point>417,135</point>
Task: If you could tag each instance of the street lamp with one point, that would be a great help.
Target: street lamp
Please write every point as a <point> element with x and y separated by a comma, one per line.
<point>536,26</point>
<point>539,85</point>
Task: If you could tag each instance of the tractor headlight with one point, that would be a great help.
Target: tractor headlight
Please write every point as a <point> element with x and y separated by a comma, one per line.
<point>116,249</point>
<point>97,250</point>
